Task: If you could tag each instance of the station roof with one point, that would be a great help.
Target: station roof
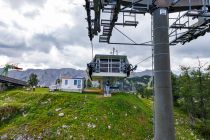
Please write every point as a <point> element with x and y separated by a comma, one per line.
<point>109,56</point>
<point>68,77</point>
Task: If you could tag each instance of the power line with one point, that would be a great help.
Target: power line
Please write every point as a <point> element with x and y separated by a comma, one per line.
<point>125,35</point>
<point>144,43</point>
<point>144,60</point>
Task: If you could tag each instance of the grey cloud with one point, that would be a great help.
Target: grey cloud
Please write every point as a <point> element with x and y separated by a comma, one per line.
<point>10,39</point>
<point>32,14</point>
<point>43,42</point>
<point>2,24</point>
<point>65,36</point>
<point>13,51</point>
<point>11,44</point>
<point>14,46</point>
<point>199,47</point>
<point>17,26</point>
<point>16,4</point>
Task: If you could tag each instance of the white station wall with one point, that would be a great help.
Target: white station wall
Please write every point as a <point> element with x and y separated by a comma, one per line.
<point>70,85</point>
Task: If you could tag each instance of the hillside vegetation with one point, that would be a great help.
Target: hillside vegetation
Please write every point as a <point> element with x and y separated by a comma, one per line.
<point>61,115</point>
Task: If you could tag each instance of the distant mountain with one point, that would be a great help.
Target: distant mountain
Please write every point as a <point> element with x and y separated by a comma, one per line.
<point>143,73</point>
<point>48,77</point>
<point>141,80</point>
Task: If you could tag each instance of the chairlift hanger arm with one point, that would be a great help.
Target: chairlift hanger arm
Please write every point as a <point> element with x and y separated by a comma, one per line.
<point>131,44</point>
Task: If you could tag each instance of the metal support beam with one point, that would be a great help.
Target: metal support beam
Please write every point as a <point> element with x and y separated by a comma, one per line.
<point>164,122</point>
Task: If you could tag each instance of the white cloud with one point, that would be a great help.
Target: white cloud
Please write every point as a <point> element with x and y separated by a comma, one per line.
<point>54,35</point>
<point>51,16</point>
<point>4,60</point>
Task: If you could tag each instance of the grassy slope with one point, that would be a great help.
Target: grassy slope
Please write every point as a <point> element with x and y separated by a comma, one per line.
<point>86,116</point>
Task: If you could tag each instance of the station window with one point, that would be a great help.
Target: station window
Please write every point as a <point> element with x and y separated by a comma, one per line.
<point>75,82</point>
<point>104,65</point>
<point>110,65</point>
<point>66,82</point>
<point>79,84</point>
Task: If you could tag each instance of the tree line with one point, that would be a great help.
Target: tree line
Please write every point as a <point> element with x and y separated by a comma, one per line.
<point>191,93</point>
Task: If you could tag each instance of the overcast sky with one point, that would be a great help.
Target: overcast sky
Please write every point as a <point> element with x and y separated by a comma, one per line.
<point>53,34</point>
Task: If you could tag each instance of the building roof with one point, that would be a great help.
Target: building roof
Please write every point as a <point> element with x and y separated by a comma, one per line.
<point>68,77</point>
<point>109,56</point>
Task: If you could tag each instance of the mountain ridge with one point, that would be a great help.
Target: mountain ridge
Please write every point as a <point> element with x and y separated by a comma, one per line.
<point>48,77</point>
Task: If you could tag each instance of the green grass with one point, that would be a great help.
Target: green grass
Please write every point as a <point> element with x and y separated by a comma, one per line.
<point>26,114</point>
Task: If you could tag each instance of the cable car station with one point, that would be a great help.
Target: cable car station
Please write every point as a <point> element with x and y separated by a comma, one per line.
<point>109,66</point>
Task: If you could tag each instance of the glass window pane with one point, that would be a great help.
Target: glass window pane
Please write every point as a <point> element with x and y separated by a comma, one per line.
<point>116,65</point>
<point>103,65</point>
<point>110,69</point>
<point>104,60</point>
<point>103,69</point>
<point>66,82</point>
<point>115,70</point>
<point>115,60</point>
<point>79,84</point>
<point>75,82</point>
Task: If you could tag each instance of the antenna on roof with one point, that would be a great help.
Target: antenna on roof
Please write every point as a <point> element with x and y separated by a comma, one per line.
<point>114,51</point>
